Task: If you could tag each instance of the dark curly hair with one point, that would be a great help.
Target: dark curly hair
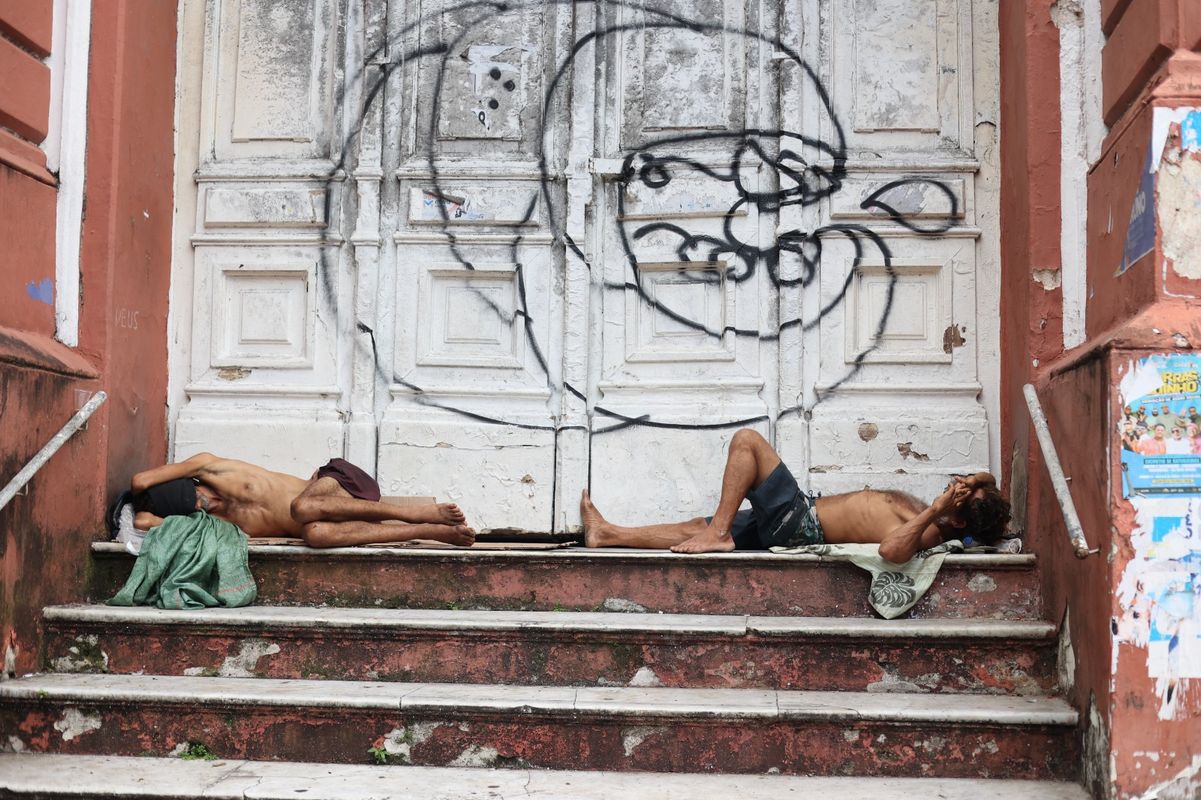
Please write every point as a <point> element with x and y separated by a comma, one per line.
<point>985,516</point>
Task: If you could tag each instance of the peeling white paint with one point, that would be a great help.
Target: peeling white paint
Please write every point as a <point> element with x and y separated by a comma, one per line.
<point>850,735</point>
<point>10,662</point>
<point>1178,198</point>
<point>76,723</point>
<point>645,676</point>
<point>245,662</point>
<point>621,604</point>
<point>475,756</point>
<point>1184,785</point>
<point>1065,662</point>
<point>14,744</point>
<point>632,737</point>
<point>73,661</point>
<point>1049,279</point>
<point>982,583</point>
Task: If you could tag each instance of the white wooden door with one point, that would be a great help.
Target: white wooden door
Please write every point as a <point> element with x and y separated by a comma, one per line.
<point>501,255</point>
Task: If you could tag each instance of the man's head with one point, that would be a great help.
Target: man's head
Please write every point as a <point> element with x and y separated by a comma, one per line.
<point>1177,433</point>
<point>985,514</point>
<point>1164,409</point>
<point>1159,430</point>
<point>172,498</point>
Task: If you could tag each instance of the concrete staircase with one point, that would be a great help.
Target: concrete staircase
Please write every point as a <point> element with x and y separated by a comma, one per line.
<point>549,673</point>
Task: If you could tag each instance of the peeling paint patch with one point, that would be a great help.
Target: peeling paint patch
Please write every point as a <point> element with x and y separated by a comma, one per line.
<point>76,723</point>
<point>621,604</point>
<point>475,756</point>
<point>14,744</point>
<point>953,337</point>
<point>1049,279</point>
<point>232,373</point>
<point>1185,785</point>
<point>245,663</point>
<point>850,735</point>
<point>906,450</point>
<point>1178,199</point>
<point>645,676</point>
<point>868,431</point>
<point>632,737</point>
<point>981,583</point>
<point>84,655</point>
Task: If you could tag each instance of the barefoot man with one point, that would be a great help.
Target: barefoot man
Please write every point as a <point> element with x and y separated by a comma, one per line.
<point>781,515</point>
<point>337,507</point>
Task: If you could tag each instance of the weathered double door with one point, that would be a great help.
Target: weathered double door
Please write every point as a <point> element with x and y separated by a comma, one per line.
<point>502,255</point>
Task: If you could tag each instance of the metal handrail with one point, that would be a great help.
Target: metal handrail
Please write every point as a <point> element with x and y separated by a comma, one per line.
<point>1058,480</point>
<point>58,440</point>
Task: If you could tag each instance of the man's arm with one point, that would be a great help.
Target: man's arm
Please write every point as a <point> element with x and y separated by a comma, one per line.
<point>188,468</point>
<point>144,520</point>
<point>919,533</point>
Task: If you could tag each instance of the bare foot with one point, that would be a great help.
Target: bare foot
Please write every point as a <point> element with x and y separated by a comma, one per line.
<point>595,526</point>
<point>459,535</point>
<point>711,541</point>
<point>450,514</point>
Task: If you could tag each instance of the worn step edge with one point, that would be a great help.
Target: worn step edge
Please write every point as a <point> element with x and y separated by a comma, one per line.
<point>135,777</point>
<point>954,560</point>
<point>359,620</point>
<point>598,702</point>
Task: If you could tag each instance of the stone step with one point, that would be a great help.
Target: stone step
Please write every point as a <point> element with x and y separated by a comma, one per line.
<point>579,579</point>
<point>54,776</point>
<point>553,727</point>
<point>558,648</point>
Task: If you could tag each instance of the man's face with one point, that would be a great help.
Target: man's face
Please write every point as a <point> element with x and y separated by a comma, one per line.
<point>1164,409</point>
<point>1176,433</point>
<point>1159,431</point>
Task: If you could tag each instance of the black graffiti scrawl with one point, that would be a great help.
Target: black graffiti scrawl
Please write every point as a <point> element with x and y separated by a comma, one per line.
<point>800,171</point>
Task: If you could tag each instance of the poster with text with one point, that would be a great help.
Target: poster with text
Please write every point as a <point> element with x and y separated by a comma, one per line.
<point>1160,426</point>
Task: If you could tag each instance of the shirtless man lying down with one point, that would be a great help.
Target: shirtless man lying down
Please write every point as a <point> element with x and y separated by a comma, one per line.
<point>337,507</point>
<point>781,515</point>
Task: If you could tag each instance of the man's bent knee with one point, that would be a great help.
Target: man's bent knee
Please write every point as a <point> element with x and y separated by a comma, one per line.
<point>747,437</point>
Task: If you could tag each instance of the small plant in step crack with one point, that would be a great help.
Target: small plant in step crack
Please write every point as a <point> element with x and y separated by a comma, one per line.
<point>197,751</point>
<point>378,754</point>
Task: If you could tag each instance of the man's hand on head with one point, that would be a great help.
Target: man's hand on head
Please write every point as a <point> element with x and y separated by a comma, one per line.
<point>954,496</point>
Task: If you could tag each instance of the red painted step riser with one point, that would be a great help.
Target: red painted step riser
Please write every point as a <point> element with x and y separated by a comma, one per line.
<point>771,587</point>
<point>517,657</point>
<point>643,743</point>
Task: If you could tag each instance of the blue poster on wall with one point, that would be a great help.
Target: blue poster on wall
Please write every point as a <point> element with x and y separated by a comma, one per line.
<point>1160,427</point>
<point>1140,232</point>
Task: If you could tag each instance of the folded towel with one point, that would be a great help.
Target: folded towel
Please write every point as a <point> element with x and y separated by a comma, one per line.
<point>191,562</point>
<point>895,588</point>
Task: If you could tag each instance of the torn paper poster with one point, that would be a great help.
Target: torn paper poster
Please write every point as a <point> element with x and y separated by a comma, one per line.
<point>1160,596</point>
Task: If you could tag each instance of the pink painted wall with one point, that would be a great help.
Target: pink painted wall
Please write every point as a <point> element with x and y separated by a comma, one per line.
<point>125,266</point>
<point>1147,62</point>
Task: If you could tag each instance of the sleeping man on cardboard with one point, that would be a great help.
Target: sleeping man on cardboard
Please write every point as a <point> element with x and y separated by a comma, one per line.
<point>338,506</point>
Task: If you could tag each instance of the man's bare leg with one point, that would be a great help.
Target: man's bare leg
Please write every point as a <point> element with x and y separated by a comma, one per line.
<point>348,534</point>
<point>750,461</point>
<point>599,532</point>
<point>324,500</point>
